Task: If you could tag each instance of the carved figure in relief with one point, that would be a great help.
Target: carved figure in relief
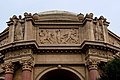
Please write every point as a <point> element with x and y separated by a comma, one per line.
<point>58,36</point>
<point>41,36</point>
<point>19,31</point>
<point>50,37</point>
<point>46,36</point>
<point>19,28</point>
<point>69,36</point>
<point>98,32</point>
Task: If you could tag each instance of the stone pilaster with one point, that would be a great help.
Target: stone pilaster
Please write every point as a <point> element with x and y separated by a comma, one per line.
<point>89,26</point>
<point>11,25</point>
<point>26,69</point>
<point>28,27</point>
<point>92,69</point>
<point>9,70</point>
<point>106,24</point>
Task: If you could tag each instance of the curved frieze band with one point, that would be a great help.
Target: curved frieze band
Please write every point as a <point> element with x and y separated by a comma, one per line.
<point>4,42</point>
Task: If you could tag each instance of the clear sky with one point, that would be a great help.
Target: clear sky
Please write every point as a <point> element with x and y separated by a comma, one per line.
<point>110,9</point>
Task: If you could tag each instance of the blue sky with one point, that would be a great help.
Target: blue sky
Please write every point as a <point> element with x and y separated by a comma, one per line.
<point>110,9</point>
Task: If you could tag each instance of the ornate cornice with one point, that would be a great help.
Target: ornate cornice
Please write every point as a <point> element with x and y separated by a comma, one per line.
<point>34,45</point>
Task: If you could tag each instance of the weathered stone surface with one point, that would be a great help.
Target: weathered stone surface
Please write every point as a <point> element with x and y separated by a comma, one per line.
<point>45,44</point>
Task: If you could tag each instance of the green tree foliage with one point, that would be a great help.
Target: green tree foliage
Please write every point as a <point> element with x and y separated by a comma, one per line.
<point>111,71</point>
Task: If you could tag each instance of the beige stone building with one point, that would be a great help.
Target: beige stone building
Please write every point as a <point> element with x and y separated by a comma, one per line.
<point>56,45</point>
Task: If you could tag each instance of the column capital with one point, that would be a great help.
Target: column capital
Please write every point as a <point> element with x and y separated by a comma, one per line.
<point>8,67</point>
<point>27,64</point>
<point>92,64</point>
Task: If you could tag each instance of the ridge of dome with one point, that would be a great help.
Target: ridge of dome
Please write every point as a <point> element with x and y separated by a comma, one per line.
<point>56,12</point>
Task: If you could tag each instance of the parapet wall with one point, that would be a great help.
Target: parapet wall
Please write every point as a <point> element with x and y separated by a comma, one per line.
<point>56,28</point>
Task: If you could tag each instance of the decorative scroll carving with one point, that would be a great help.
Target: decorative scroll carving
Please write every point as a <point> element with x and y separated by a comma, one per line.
<point>92,64</point>
<point>18,53</point>
<point>100,53</point>
<point>58,36</point>
<point>8,67</point>
<point>27,64</point>
<point>4,41</point>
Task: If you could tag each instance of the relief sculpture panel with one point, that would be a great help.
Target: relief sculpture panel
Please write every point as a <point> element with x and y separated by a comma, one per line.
<point>58,36</point>
<point>98,29</point>
<point>19,31</point>
<point>4,42</point>
<point>114,41</point>
<point>98,33</point>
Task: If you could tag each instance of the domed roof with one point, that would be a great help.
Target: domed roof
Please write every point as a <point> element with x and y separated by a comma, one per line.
<point>56,12</point>
<point>57,15</point>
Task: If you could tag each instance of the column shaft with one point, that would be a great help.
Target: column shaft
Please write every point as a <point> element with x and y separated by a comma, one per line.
<point>26,75</point>
<point>93,69</point>
<point>9,70</point>
<point>26,70</point>
<point>93,75</point>
<point>8,76</point>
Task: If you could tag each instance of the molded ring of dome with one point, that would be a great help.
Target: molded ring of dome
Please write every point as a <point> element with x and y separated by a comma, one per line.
<point>56,15</point>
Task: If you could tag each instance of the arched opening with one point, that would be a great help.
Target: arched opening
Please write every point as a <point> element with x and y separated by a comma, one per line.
<point>59,74</point>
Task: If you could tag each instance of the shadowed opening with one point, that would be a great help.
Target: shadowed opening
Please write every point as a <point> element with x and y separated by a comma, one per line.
<point>60,74</point>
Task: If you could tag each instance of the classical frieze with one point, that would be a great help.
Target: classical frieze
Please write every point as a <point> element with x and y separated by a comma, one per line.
<point>100,53</point>
<point>114,41</point>
<point>58,36</point>
<point>18,53</point>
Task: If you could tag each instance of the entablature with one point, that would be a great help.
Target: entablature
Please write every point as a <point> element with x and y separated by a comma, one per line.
<point>62,47</point>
